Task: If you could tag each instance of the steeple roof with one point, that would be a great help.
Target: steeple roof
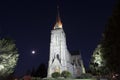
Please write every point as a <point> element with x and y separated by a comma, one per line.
<point>58,20</point>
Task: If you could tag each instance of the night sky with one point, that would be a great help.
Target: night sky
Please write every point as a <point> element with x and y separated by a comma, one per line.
<point>30,22</point>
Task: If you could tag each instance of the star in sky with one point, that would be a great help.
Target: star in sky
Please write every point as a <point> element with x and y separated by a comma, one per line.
<point>33,51</point>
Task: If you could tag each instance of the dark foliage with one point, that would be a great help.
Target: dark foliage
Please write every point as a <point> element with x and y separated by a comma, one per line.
<point>55,74</point>
<point>109,46</point>
<point>111,41</point>
<point>66,74</point>
<point>85,76</point>
<point>40,72</point>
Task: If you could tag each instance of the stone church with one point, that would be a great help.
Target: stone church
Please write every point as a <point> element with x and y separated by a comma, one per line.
<point>60,59</point>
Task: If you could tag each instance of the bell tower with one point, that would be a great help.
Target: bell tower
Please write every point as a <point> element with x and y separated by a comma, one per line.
<point>59,54</point>
<point>59,58</point>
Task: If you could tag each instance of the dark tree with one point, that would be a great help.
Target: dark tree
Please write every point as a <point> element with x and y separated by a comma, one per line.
<point>107,54</point>
<point>111,41</point>
<point>41,71</point>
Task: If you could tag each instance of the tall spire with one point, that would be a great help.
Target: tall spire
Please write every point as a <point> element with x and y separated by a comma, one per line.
<point>58,20</point>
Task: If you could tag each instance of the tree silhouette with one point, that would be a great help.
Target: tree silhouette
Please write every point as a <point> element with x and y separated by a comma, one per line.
<point>111,41</point>
<point>109,45</point>
<point>41,71</point>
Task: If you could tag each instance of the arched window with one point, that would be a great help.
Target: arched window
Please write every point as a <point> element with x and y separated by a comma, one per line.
<point>58,57</point>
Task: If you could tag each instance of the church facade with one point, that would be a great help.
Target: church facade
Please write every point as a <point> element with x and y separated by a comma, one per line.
<point>60,59</point>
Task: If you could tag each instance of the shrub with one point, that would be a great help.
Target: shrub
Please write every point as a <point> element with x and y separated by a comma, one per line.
<point>55,74</point>
<point>86,76</point>
<point>66,74</point>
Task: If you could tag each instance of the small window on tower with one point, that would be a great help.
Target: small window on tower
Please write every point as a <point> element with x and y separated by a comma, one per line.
<point>58,56</point>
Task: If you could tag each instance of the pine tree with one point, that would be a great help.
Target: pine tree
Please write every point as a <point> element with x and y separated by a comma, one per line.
<point>8,57</point>
<point>111,41</point>
<point>110,45</point>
